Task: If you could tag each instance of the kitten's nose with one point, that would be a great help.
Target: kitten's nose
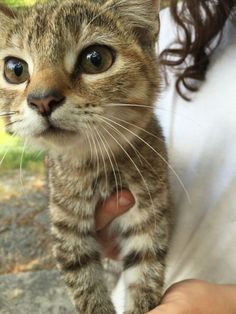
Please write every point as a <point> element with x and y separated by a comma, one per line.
<point>45,103</point>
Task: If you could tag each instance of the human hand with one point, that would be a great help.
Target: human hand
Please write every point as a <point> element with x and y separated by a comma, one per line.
<point>105,214</point>
<point>198,297</point>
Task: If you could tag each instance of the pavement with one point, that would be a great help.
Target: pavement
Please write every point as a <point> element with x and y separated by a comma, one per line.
<point>29,281</point>
<point>38,292</point>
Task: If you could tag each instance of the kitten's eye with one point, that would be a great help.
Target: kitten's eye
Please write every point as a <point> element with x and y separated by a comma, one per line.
<point>96,59</point>
<point>16,71</point>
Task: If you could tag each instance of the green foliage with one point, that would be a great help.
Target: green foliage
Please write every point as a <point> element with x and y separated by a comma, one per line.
<point>18,158</point>
<point>17,3</point>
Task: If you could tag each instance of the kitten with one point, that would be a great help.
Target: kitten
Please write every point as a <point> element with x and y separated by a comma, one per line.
<point>80,77</point>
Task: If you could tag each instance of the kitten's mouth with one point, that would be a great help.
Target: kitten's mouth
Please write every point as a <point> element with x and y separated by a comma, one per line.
<point>53,130</point>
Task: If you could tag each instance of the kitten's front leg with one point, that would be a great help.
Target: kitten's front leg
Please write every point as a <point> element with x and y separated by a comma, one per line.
<point>78,256</point>
<point>144,247</point>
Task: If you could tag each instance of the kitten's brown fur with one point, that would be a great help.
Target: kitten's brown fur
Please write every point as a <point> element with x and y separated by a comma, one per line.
<point>110,138</point>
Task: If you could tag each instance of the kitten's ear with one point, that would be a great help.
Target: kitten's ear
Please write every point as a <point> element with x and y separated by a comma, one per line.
<point>142,15</point>
<point>6,14</point>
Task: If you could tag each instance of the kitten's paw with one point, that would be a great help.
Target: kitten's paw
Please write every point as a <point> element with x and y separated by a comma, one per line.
<point>104,310</point>
<point>142,303</point>
<point>139,311</point>
<point>142,308</point>
<point>97,308</point>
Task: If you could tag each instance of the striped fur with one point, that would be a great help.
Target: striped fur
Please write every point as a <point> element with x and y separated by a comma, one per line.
<point>110,139</point>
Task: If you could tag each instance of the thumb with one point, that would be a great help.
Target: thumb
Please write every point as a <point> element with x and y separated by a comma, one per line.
<point>116,205</point>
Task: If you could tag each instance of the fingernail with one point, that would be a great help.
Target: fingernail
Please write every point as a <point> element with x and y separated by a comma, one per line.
<point>124,201</point>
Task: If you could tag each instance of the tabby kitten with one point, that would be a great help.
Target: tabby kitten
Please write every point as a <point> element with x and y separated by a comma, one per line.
<point>80,78</point>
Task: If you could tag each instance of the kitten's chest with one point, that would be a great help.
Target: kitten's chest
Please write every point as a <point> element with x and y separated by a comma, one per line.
<point>86,186</point>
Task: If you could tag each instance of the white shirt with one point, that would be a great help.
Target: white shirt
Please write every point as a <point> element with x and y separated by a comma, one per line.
<point>201,139</point>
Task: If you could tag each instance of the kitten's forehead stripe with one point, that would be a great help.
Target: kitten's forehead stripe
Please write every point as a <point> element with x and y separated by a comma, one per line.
<point>49,30</point>
<point>70,61</point>
<point>16,41</point>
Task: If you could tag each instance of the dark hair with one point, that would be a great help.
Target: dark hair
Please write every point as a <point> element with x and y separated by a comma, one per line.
<point>201,21</point>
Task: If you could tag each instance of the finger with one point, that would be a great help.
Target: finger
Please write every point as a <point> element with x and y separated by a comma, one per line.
<point>114,206</point>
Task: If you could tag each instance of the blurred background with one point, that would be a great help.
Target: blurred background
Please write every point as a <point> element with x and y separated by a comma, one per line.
<point>17,2</point>
<point>13,154</point>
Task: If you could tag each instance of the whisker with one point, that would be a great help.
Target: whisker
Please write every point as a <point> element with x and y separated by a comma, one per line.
<point>114,158</point>
<point>139,128</point>
<point>155,108</point>
<point>4,156</point>
<point>7,114</point>
<point>39,153</point>
<point>128,141</point>
<point>129,105</point>
<point>136,167</point>
<point>143,130</point>
<point>159,155</point>
<point>97,161</point>
<point>103,160</point>
<point>111,163</point>
<point>103,10</point>
<point>90,146</point>
<point>12,122</point>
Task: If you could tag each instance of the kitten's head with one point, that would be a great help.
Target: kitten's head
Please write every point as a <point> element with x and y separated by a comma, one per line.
<point>73,71</point>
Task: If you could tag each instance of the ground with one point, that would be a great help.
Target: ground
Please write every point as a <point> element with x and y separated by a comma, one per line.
<point>29,282</point>
<point>24,223</point>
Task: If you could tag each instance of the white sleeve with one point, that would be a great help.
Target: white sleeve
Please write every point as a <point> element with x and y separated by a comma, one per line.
<point>200,137</point>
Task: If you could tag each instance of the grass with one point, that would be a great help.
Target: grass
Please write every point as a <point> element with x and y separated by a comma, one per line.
<point>17,3</point>
<point>14,156</point>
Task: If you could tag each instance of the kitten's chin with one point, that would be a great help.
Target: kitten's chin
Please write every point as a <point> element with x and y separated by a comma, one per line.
<point>54,137</point>
<point>52,133</point>
<point>71,145</point>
